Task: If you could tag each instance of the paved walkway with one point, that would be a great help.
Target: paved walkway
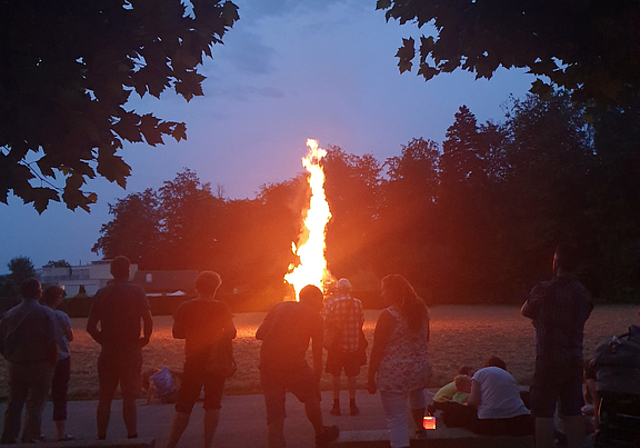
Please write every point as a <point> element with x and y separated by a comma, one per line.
<point>242,421</point>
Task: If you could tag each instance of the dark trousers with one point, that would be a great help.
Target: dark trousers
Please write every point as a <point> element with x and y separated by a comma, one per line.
<point>59,388</point>
<point>28,383</point>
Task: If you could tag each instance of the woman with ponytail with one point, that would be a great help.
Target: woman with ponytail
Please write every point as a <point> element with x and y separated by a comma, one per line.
<point>399,366</point>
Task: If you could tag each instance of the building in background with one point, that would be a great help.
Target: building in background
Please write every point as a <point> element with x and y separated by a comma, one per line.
<point>167,283</point>
<point>72,279</point>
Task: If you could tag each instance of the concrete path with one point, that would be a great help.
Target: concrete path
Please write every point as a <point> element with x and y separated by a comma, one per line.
<point>242,421</point>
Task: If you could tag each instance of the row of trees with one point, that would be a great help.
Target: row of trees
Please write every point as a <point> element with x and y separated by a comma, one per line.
<point>474,219</point>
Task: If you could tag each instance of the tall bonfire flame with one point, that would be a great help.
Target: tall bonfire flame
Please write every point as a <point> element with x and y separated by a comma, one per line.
<point>312,269</point>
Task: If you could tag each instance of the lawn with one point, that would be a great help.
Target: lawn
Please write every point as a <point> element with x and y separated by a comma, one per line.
<point>460,335</point>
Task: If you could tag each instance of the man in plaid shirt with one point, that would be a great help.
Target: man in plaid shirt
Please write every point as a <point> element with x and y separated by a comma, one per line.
<point>344,313</point>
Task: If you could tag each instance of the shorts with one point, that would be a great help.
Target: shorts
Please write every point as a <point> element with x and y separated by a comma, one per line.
<point>557,384</point>
<point>301,383</point>
<point>194,378</point>
<point>120,363</point>
<point>337,360</point>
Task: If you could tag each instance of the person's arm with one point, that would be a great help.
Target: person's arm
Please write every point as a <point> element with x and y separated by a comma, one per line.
<point>92,322</point>
<point>178,329</point>
<point>68,333</point>
<point>381,337</point>
<point>474,397</point>
<point>532,304</point>
<point>266,325</point>
<point>229,329</point>
<point>317,338</point>
<point>147,322</point>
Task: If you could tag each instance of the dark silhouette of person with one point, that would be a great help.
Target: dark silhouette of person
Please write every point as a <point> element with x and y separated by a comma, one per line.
<point>201,322</point>
<point>118,308</point>
<point>29,338</point>
<point>52,297</point>
<point>559,309</point>
<point>285,334</point>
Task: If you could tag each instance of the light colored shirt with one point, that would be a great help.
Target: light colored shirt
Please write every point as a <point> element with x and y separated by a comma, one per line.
<point>64,324</point>
<point>499,394</point>
<point>346,313</point>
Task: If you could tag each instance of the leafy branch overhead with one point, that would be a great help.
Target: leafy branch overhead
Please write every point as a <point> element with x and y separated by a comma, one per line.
<point>589,48</point>
<point>67,70</point>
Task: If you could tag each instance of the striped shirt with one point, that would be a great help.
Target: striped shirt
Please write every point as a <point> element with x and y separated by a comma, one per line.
<point>346,313</point>
<point>559,309</point>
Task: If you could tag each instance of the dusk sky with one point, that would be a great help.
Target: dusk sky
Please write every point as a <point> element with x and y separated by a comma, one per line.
<point>288,71</point>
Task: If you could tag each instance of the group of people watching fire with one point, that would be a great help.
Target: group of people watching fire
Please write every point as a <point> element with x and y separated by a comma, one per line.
<point>34,339</point>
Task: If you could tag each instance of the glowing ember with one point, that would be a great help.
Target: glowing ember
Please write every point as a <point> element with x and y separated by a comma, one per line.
<point>312,269</point>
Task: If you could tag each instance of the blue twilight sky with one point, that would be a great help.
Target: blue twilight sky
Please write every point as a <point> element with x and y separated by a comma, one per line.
<point>289,70</point>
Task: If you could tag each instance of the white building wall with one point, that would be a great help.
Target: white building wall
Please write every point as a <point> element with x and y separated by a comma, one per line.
<point>92,276</point>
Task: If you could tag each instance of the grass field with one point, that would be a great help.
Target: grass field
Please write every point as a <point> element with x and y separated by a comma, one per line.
<point>460,335</point>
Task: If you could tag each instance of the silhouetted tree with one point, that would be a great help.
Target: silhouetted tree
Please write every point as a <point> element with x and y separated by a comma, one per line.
<point>591,49</point>
<point>67,70</point>
<point>135,230</point>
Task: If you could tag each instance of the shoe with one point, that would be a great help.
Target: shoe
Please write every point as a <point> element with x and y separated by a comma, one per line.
<point>65,438</point>
<point>328,435</point>
<point>353,410</point>
<point>335,410</point>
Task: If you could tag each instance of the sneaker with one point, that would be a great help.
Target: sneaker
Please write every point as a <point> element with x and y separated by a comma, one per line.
<point>65,438</point>
<point>328,435</point>
<point>353,410</point>
<point>335,410</point>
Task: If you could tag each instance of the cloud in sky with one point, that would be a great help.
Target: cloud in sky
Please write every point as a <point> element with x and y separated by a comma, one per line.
<point>288,71</point>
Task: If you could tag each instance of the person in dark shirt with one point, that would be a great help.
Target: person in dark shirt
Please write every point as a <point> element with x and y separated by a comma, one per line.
<point>29,338</point>
<point>118,308</point>
<point>201,321</point>
<point>559,309</point>
<point>285,334</point>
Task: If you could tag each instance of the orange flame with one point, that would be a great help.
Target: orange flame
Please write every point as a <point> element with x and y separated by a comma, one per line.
<point>312,269</point>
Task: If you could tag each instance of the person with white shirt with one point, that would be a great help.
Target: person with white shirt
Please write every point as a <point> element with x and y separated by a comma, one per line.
<point>496,396</point>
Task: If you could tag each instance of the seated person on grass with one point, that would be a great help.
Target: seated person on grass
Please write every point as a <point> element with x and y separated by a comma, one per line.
<point>457,390</point>
<point>494,406</point>
<point>162,384</point>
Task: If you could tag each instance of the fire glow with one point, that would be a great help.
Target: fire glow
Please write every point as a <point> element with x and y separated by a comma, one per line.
<point>312,269</point>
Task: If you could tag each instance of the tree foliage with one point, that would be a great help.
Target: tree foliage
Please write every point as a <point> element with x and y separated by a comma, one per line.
<point>590,48</point>
<point>474,219</point>
<point>67,70</point>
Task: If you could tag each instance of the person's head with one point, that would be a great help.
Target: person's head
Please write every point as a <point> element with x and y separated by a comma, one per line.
<point>52,296</point>
<point>397,291</point>
<point>207,283</point>
<point>344,286</point>
<point>466,370</point>
<point>121,268</point>
<point>494,361</point>
<point>31,289</point>
<point>311,296</point>
<point>463,383</point>
<point>565,258</point>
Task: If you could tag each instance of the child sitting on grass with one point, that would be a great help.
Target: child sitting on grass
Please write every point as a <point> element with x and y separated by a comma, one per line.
<point>456,391</point>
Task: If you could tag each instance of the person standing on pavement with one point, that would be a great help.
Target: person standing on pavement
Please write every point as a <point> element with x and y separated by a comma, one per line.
<point>344,314</point>
<point>399,365</point>
<point>51,298</point>
<point>118,308</point>
<point>29,339</point>
<point>285,334</point>
<point>559,309</point>
<point>201,322</point>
